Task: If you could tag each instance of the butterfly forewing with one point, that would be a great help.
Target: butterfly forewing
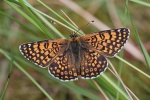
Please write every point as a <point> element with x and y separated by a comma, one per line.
<point>43,52</point>
<point>63,67</point>
<point>92,64</point>
<point>107,42</point>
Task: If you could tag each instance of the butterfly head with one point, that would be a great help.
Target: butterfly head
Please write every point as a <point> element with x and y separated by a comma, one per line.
<point>73,35</point>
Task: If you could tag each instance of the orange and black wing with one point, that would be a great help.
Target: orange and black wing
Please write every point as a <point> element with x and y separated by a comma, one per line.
<point>92,64</point>
<point>63,67</point>
<point>43,52</point>
<point>107,42</point>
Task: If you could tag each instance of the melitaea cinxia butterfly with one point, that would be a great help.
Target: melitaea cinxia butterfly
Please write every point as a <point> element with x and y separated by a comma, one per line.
<point>84,55</point>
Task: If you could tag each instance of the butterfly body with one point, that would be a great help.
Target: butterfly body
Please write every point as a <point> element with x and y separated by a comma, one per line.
<point>75,49</point>
<point>83,56</point>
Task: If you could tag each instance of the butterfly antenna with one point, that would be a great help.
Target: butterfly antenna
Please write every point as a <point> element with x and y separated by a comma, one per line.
<point>84,25</point>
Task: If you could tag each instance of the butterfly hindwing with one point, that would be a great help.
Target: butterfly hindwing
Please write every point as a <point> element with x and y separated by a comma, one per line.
<point>62,67</point>
<point>92,64</point>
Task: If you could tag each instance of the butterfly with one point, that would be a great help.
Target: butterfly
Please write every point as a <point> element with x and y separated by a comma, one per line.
<point>83,56</point>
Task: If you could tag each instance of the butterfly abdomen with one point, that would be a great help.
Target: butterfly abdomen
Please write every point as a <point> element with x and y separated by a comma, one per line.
<point>74,45</point>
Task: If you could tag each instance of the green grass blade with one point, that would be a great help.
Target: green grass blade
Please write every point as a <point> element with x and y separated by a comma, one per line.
<point>145,53</point>
<point>69,85</point>
<point>112,86</point>
<point>106,82</point>
<point>39,12</point>
<point>133,67</point>
<point>40,16</point>
<point>31,17</point>
<point>141,2</point>
<point>108,86</point>
<point>12,18</point>
<point>7,82</point>
<point>26,73</point>
<point>81,91</point>
<point>60,17</point>
<point>38,22</point>
<point>22,13</point>
<point>122,52</point>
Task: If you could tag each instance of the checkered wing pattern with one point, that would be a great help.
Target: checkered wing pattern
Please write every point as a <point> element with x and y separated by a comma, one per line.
<point>108,42</point>
<point>92,64</point>
<point>43,52</point>
<point>63,67</point>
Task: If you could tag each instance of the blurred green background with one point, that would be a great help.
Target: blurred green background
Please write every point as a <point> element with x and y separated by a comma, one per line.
<point>30,21</point>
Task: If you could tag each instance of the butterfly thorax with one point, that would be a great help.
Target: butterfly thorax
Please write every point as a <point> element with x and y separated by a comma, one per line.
<point>74,44</point>
<point>73,35</point>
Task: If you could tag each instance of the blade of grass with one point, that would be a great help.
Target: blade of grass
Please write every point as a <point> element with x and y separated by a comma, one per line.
<point>69,85</point>
<point>100,89</point>
<point>7,82</point>
<point>127,89</point>
<point>113,87</point>
<point>106,83</point>
<point>26,73</point>
<point>119,78</point>
<point>133,66</point>
<point>141,2</point>
<point>44,20</point>
<point>23,14</point>
<point>21,24</point>
<point>82,91</point>
<point>120,63</point>
<point>28,5</point>
<point>35,19</point>
<point>39,14</point>
<point>46,32</point>
<point>138,81</point>
<point>122,51</point>
<point>58,16</point>
<point>53,19</point>
<point>146,55</point>
<point>108,86</point>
